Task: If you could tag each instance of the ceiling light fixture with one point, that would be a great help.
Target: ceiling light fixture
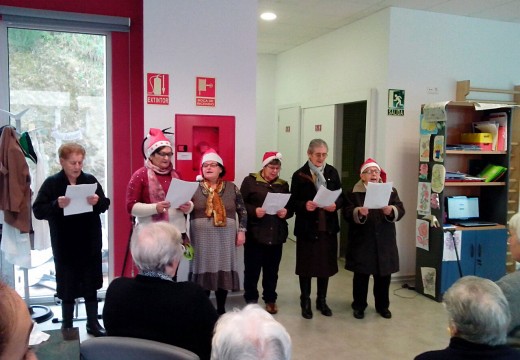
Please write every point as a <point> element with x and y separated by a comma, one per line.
<point>268,16</point>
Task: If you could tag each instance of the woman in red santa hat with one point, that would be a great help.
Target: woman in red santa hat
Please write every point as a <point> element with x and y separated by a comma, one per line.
<point>214,231</point>
<point>148,186</point>
<point>266,232</point>
<point>316,227</point>
<point>371,247</point>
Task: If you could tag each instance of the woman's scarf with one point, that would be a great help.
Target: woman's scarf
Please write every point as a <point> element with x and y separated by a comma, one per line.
<point>155,189</point>
<point>318,171</point>
<point>156,274</point>
<point>214,204</point>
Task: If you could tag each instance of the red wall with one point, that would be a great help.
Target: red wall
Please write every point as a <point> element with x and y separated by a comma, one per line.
<point>127,101</point>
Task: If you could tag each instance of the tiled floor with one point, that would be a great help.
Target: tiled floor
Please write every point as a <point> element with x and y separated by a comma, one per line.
<point>418,323</point>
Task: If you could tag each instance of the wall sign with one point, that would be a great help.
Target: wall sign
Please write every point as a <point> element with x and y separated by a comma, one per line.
<point>205,91</point>
<point>395,102</point>
<point>157,89</point>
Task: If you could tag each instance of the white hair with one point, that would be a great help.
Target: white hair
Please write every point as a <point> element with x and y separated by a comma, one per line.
<point>250,334</point>
<point>514,225</point>
<point>478,310</point>
<point>156,245</point>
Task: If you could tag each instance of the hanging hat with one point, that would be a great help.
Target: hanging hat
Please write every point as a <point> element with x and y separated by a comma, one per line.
<point>270,156</point>
<point>211,156</point>
<point>156,139</point>
<point>372,163</point>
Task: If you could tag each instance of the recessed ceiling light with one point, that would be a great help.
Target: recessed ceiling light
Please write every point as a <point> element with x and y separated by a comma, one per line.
<point>268,16</point>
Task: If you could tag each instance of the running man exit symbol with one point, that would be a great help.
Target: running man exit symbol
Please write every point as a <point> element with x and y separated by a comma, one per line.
<point>395,102</point>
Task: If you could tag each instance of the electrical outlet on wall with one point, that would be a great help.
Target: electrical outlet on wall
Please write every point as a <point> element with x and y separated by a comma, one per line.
<point>432,90</point>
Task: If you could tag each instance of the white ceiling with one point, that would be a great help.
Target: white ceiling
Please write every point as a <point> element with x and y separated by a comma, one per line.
<point>300,21</point>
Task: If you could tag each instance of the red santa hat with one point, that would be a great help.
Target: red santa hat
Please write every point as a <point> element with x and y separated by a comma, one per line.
<point>156,139</point>
<point>372,163</point>
<point>211,156</point>
<point>270,156</point>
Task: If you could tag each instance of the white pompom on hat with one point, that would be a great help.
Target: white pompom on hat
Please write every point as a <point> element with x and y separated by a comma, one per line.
<point>156,139</point>
<point>270,156</point>
<point>212,156</point>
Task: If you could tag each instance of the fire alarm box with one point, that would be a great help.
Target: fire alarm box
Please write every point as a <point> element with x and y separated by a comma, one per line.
<point>195,134</point>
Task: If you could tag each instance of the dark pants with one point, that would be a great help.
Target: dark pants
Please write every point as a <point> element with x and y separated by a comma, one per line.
<point>265,258</point>
<point>360,291</point>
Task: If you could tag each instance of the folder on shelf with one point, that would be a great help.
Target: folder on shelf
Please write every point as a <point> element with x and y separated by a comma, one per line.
<point>488,126</point>
<point>492,172</point>
<point>501,119</point>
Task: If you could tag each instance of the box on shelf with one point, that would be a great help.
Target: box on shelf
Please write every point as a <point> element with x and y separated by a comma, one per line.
<point>483,140</point>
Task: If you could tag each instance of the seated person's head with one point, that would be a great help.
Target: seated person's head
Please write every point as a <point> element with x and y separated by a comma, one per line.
<point>478,311</point>
<point>15,326</point>
<point>157,247</point>
<point>250,334</point>
<point>514,236</point>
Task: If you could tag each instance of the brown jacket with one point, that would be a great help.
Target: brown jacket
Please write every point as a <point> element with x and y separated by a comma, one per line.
<point>15,181</point>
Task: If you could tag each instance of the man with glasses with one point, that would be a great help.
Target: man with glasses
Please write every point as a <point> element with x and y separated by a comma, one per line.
<point>371,247</point>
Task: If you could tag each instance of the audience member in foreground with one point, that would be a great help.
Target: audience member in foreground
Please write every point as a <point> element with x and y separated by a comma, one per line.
<point>250,334</point>
<point>152,306</point>
<point>478,320</point>
<point>15,326</point>
<point>510,284</point>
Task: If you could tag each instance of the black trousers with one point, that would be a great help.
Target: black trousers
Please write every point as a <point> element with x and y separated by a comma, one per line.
<point>261,258</point>
<point>360,291</point>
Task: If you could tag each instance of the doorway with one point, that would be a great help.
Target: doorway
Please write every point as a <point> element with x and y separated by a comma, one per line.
<point>352,147</point>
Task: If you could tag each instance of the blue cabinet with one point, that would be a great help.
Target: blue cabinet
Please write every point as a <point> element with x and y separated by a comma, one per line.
<point>482,253</point>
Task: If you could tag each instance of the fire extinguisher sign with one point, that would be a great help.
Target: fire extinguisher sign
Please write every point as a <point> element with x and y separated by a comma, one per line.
<point>157,89</point>
<point>206,89</point>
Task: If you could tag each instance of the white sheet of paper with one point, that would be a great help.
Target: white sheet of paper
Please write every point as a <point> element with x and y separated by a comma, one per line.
<point>377,195</point>
<point>78,198</point>
<point>274,202</point>
<point>325,197</point>
<point>180,192</point>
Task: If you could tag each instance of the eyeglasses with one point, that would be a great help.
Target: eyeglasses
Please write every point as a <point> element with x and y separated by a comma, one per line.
<point>163,154</point>
<point>273,168</point>
<point>375,171</point>
<point>320,155</point>
<point>209,165</point>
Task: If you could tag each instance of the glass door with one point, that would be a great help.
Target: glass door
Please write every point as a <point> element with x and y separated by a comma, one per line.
<point>58,93</point>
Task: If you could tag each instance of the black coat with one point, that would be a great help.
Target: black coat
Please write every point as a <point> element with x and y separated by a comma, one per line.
<point>269,229</point>
<point>371,247</point>
<point>179,314</point>
<point>316,251</point>
<point>76,239</point>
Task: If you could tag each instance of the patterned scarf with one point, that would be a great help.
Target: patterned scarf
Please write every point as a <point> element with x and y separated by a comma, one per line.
<point>214,204</point>
<point>318,171</point>
<point>156,274</point>
<point>154,187</point>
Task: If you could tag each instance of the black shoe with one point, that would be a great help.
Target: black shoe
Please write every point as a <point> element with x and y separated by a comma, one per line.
<point>359,314</point>
<point>306,308</point>
<point>95,329</point>
<point>322,306</point>
<point>385,313</point>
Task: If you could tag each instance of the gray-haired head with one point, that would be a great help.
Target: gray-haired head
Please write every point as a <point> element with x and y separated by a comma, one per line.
<point>478,311</point>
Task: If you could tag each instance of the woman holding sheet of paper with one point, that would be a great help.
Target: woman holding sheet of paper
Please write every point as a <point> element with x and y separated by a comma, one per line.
<point>266,230</point>
<point>371,247</point>
<point>217,228</point>
<point>316,226</point>
<point>76,239</point>
<point>148,186</point>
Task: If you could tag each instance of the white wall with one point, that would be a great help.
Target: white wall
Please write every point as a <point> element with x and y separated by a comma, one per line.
<point>402,49</point>
<point>186,39</point>
<point>266,112</point>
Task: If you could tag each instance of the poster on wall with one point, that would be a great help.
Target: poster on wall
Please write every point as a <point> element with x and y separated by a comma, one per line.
<point>395,102</point>
<point>157,89</point>
<point>205,91</point>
